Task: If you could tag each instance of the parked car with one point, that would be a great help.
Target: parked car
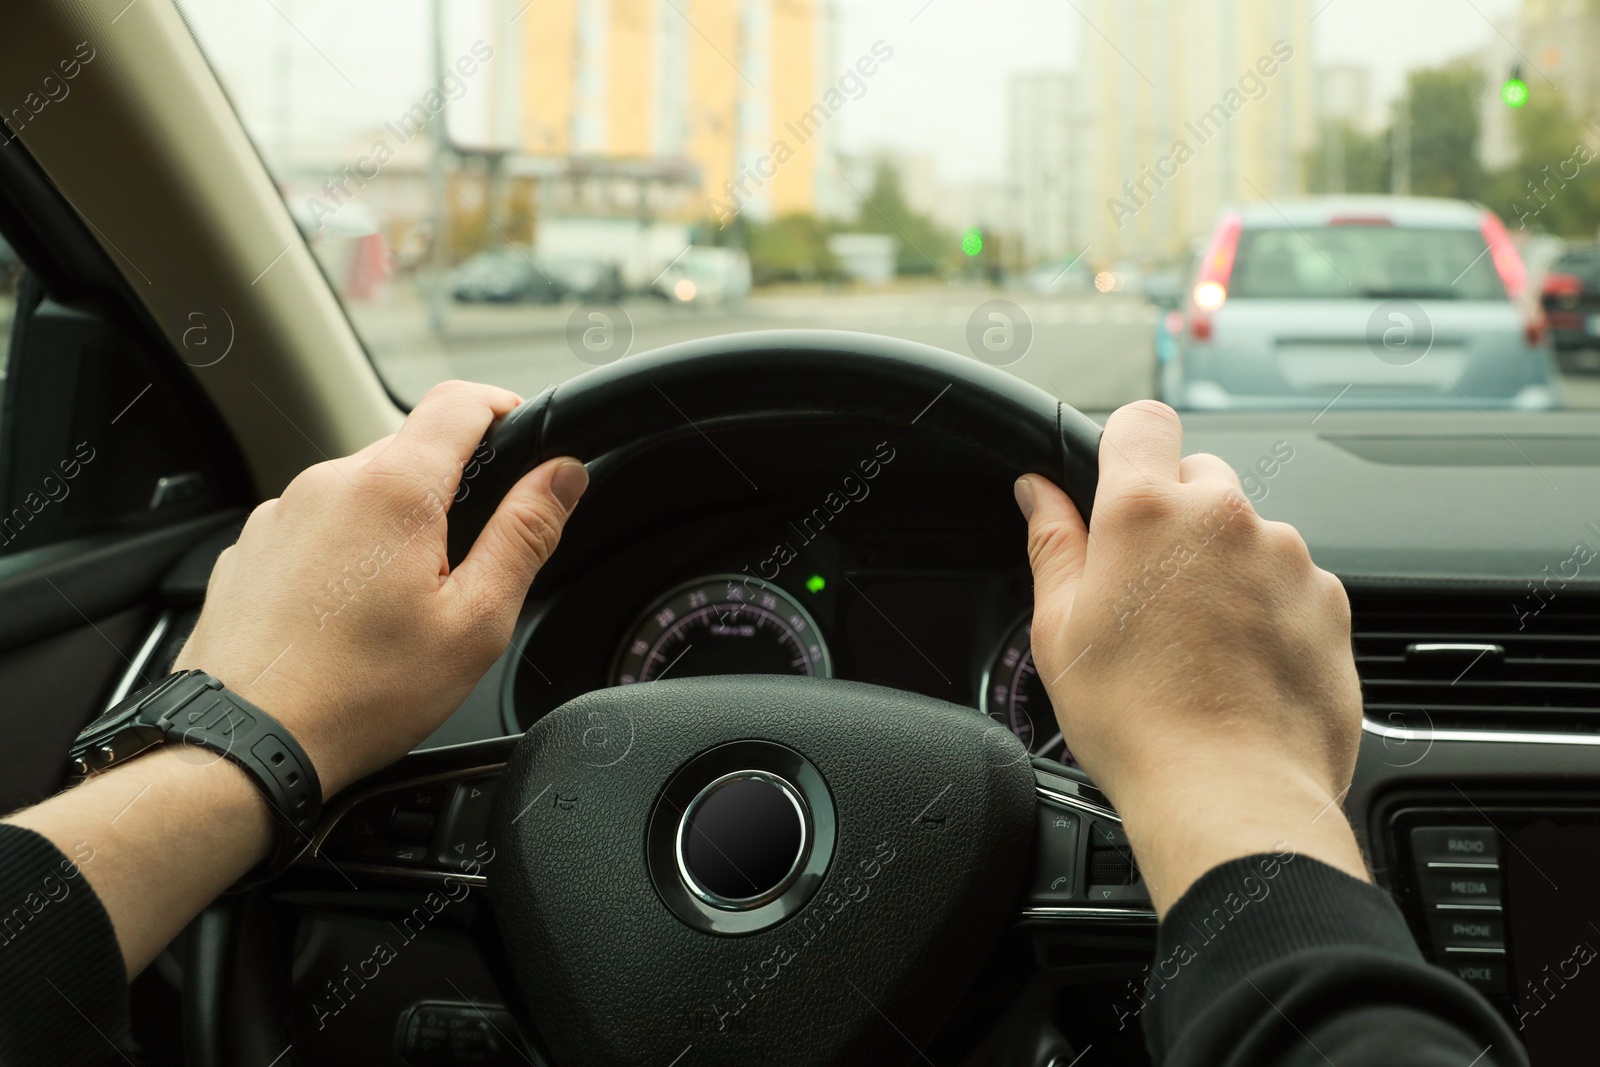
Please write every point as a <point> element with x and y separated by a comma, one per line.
<point>505,275</point>
<point>584,279</point>
<point>1375,301</point>
<point>705,275</point>
<point>1570,297</point>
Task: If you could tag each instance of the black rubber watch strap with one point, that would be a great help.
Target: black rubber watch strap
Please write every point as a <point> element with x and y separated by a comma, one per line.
<point>193,708</point>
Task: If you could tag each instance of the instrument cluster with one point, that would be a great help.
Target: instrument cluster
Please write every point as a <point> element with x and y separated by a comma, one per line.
<point>949,636</point>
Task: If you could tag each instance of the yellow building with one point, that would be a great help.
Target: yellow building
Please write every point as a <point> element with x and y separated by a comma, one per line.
<point>716,83</point>
<point>1560,45</point>
<point>1187,106</point>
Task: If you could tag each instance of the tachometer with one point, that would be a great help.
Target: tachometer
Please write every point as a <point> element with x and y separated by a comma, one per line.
<point>722,624</point>
<point>1014,696</point>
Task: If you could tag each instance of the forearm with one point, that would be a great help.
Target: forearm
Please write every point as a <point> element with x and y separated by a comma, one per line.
<point>1280,960</point>
<point>158,839</point>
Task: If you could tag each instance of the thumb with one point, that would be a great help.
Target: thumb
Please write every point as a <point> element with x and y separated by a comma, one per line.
<point>1058,543</point>
<point>521,534</point>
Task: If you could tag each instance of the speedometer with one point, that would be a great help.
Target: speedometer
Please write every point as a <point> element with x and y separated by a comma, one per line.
<point>722,624</point>
<point>1015,696</point>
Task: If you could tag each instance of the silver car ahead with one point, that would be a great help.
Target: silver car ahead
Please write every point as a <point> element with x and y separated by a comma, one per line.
<point>1375,301</point>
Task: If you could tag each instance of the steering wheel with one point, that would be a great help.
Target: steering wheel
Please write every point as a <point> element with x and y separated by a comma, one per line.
<point>766,868</point>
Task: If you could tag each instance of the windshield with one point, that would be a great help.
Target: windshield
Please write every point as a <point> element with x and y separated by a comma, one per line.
<point>519,190</point>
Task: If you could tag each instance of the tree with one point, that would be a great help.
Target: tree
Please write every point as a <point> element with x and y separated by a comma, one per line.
<point>1444,129</point>
<point>1552,186</point>
<point>1345,160</point>
<point>922,243</point>
<point>792,248</point>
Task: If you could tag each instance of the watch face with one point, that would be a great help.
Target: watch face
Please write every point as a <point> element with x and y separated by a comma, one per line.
<point>121,716</point>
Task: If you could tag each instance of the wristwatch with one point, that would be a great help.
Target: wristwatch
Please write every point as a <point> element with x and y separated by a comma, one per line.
<point>193,708</point>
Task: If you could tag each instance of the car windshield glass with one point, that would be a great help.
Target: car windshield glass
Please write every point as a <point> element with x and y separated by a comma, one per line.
<point>1361,262</point>
<point>519,190</point>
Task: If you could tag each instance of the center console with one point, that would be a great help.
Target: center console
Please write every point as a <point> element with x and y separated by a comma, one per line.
<point>1501,890</point>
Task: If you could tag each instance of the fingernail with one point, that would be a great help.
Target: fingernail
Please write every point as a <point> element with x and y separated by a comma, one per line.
<point>1024,493</point>
<point>568,483</point>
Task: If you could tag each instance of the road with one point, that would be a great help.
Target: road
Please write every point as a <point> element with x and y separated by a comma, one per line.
<point>1094,350</point>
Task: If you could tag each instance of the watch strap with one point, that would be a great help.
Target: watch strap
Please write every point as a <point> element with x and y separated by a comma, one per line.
<point>194,708</point>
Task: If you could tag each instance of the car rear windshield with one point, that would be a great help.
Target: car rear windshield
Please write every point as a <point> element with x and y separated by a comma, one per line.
<point>1364,262</point>
<point>1584,265</point>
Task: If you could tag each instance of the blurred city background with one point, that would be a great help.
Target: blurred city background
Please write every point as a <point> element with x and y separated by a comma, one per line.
<point>476,176</point>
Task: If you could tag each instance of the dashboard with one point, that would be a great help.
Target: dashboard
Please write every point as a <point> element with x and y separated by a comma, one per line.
<point>774,551</point>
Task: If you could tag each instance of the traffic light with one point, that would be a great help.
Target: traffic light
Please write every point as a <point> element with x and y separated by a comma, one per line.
<point>972,241</point>
<point>1515,91</point>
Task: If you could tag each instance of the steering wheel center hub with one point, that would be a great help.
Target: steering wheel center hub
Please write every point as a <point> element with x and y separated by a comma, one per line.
<point>741,837</point>
<point>816,856</point>
<point>742,840</point>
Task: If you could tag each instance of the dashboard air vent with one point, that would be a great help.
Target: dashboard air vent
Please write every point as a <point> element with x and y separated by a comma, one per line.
<point>1435,661</point>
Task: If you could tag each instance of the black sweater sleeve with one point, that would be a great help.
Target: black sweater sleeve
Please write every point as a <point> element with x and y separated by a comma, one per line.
<point>63,984</point>
<point>1284,960</point>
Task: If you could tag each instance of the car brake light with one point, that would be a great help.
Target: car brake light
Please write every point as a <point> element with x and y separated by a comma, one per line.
<point>1534,331</point>
<point>1216,268</point>
<point>1360,220</point>
<point>1504,253</point>
<point>1562,285</point>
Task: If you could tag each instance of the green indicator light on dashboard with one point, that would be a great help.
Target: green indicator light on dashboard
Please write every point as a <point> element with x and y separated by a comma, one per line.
<point>816,583</point>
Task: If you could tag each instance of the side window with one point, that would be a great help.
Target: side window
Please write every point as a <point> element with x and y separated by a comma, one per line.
<point>11,272</point>
<point>99,432</point>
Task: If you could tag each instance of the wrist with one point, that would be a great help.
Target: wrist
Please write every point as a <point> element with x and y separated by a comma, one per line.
<point>1187,823</point>
<point>297,712</point>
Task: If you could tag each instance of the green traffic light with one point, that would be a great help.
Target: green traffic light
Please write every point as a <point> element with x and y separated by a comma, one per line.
<point>972,241</point>
<point>816,583</point>
<point>1514,92</point>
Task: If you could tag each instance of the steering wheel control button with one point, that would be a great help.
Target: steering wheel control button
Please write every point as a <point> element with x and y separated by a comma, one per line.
<point>1056,863</point>
<point>429,798</point>
<point>443,1034</point>
<point>742,840</point>
<point>466,822</point>
<point>442,824</point>
<point>1455,844</point>
<point>411,828</point>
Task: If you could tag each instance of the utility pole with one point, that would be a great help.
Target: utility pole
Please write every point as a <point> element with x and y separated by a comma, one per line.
<point>1400,170</point>
<point>438,251</point>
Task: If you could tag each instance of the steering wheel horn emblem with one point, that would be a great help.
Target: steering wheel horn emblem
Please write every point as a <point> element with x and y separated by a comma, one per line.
<point>741,837</point>
<point>742,841</point>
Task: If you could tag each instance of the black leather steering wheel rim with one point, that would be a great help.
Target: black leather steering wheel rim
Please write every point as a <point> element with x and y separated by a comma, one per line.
<point>772,377</point>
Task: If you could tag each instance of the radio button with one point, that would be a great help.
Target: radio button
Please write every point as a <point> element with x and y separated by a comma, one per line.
<point>1455,844</point>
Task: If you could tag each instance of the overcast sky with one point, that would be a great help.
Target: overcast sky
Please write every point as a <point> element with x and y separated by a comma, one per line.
<point>947,95</point>
<point>356,63</point>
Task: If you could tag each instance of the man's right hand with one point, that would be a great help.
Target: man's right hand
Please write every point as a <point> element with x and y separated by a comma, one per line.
<point>1199,662</point>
